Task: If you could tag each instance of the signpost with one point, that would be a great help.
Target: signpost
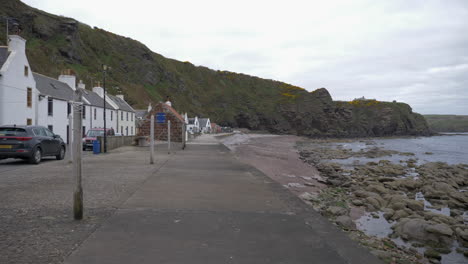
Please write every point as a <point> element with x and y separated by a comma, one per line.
<point>160,118</point>
<point>152,140</point>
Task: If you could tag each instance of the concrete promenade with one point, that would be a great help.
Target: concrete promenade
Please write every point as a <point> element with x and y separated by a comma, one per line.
<point>201,205</point>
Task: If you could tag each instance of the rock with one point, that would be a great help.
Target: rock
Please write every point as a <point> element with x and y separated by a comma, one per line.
<point>397,206</point>
<point>357,202</point>
<point>432,254</point>
<point>382,254</point>
<point>412,229</point>
<point>346,222</point>
<point>399,214</point>
<point>373,201</point>
<point>336,211</point>
<point>309,197</point>
<point>377,189</point>
<point>388,213</point>
<point>415,205</point>
<point>462,233</point>
<point>441,229</point>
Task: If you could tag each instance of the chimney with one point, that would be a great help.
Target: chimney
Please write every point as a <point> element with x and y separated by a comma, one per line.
<point>16,44</point>
<point>81,85</point>
<point>99,91</point>
<point>68,77</point>
<point>121,96</point>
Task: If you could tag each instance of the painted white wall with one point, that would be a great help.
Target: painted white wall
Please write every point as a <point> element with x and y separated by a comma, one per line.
<point>14,84</point>
<point>126,123</point>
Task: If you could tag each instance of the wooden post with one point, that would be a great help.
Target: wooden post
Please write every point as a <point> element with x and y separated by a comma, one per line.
<point>77,127</point>
<point>168,136</point>
<point>70,133</point>
<point>152,140</point>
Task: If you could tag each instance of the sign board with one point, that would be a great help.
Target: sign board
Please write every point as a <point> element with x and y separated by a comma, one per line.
<point>160,118</point>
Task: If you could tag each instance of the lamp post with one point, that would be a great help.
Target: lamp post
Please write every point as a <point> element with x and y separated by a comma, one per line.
<point>104,69</point>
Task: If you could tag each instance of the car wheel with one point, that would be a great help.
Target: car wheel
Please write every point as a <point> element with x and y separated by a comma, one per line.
<point>36,156</point>
<point>61,154</point>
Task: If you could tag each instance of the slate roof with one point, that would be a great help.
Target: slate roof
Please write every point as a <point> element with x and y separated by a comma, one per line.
<point>191,121</point>
<point>122,104</point>
<point>95,100</point>
<point>53,88</point>
<point>141,113</point>
<point>3,55</point>
<point>203,121</point>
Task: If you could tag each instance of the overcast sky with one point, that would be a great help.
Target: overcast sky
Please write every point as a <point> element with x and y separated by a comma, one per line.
<point>414,51</point>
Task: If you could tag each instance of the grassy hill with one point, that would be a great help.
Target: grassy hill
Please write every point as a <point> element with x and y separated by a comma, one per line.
<point>56,43</point>
<point>448,123</point>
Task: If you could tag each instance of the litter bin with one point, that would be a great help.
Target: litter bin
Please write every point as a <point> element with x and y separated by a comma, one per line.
<point>96,147</point>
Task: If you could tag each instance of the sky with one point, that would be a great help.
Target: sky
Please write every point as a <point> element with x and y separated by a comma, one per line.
<point>412,51</point>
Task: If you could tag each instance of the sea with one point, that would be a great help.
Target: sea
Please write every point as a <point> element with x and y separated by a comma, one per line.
<point>451,148</point>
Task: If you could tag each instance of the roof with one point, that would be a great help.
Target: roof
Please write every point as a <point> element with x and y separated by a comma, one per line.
<point>173,111</point>
<point>203,121</point>
<point>191,121</point>
<point>95,100</point>
<point>141,113</point>
<point>122,104</point>
<point>3,55</point>
<point>53,88</point>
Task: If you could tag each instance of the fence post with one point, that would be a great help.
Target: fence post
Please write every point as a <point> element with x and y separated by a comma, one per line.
<point>152,140</point>
<point>77,169</point>
<point>168,136</point>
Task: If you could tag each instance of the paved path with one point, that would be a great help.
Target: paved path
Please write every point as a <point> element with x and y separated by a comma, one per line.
<point>204,206</point>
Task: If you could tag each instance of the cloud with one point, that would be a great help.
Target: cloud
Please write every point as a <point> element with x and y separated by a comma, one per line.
<point>411,51</point>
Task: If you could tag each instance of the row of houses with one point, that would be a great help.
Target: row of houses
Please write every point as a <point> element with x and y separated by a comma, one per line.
<point>29,98</point>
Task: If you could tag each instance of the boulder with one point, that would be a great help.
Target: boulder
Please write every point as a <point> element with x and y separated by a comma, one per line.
<point>345,222</point>
<point>412,229</point>
<point>336,211</point>
<point>415,205</point>
<point>440,229</point>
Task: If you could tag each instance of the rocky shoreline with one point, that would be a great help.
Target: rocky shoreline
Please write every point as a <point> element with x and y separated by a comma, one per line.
<point>418,210</point>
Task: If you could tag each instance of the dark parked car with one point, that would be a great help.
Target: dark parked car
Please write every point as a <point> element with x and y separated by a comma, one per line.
<point>30,143</point>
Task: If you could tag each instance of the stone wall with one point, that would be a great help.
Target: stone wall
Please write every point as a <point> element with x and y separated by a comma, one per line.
<point>114,142</point>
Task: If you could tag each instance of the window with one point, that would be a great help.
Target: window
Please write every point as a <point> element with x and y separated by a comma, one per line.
<point>121,116</point>
<point>131,131</point>
<point>131,116</point>
<point>83,131</point>
<point>50,106</point>
<point>121,130</point>
<point>29,121</point>
<point>29,98</point>
<point>26,71</point>
<point>127,116</point>
<point>47,132</point>
<point>39,132</point>
<point>84,112</point>
<point>94,113</point>
<point>112,115</point>
<point>68,109</point>
<point>50,127</point>
<point>126,131</point>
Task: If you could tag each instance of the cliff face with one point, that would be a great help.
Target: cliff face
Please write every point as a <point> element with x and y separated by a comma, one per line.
<point>56,43</point>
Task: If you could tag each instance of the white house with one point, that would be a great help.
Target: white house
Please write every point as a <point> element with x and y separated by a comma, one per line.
<point>28,98</point>
<point>18,94</point>
<point>193,125</point>
<point>126,118</point>
<point>205,125</point>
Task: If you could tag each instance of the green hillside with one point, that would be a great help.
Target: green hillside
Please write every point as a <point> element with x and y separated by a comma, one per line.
<point>56,43</point>
<point>448,123</point>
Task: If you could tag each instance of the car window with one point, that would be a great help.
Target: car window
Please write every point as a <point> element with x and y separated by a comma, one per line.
<point>12,132</point>
<point>48,132</point>
<point>38,132</point>
<point>95,133</point>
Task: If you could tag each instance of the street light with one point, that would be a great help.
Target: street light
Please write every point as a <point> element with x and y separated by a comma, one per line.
<point>104,69</point>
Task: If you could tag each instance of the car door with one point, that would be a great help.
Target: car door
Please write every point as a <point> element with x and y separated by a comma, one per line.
<point>54,143</point>
<point>41,138</point>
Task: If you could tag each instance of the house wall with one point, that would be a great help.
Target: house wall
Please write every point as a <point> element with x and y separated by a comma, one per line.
<point>160,130</point>
<point>59,118</point>
<point>129,125</point>
<point>14,84</point>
